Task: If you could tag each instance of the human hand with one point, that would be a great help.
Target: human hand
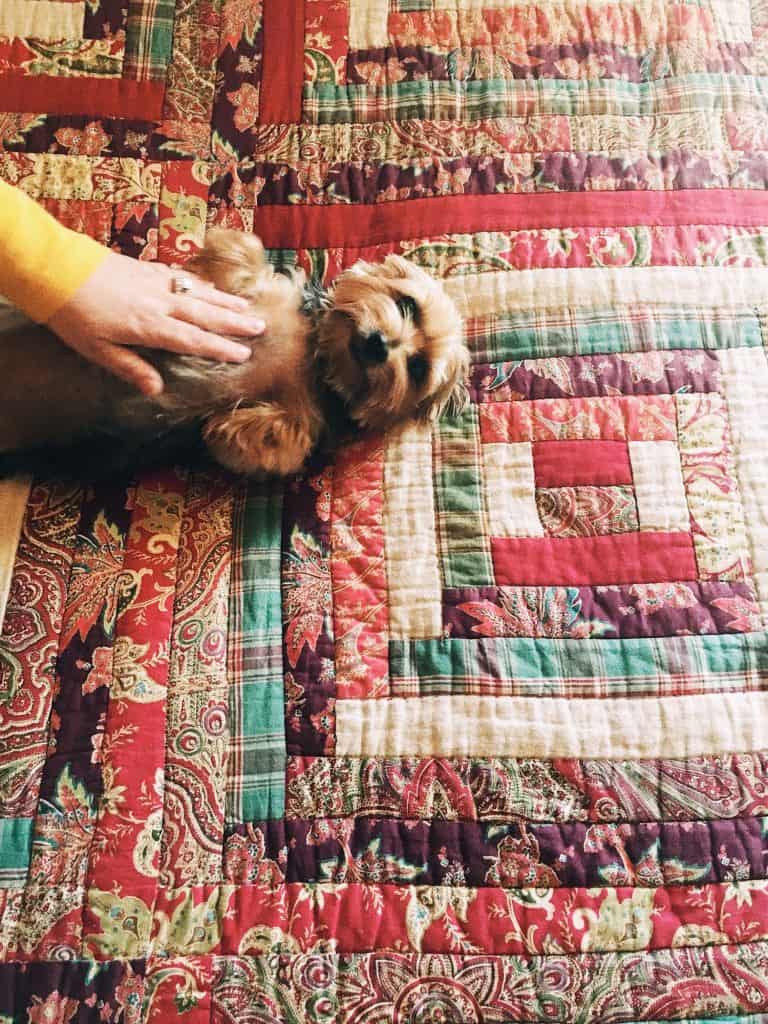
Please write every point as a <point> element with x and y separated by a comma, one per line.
<point>126,302</point>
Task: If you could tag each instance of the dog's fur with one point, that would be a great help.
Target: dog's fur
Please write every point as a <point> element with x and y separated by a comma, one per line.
<point>264,416</point>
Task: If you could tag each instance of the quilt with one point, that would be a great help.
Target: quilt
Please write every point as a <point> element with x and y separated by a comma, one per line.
<point>465,725</point>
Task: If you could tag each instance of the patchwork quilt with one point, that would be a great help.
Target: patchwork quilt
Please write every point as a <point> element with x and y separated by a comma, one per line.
<point>466,726</point>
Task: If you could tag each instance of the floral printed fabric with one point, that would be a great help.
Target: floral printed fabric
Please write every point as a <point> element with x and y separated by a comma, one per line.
<point>466,724</point>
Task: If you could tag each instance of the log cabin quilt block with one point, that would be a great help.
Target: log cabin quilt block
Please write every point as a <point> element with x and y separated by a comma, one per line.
<point>465,724</point>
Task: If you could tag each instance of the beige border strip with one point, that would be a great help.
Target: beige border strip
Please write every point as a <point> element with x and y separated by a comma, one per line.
<point>510,490</point>
<point>413,573</point>
<point>368,24</point>
<point>745,385</point>
<point>732,18</point>
<point>41,19</point>
<point>659,487</point>
<point>464,726</point>
<point>512,291</point>
<point>480,5</point>
<point>13,503</point>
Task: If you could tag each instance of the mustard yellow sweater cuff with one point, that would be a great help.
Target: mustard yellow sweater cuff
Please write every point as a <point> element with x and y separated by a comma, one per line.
<point>42,264</point>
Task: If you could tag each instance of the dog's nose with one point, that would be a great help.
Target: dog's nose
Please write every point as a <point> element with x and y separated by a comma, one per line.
<point>376,348</point>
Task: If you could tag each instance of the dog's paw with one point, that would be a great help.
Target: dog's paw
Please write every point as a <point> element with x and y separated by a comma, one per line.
<point>233,261</point>
<point>260,440</point>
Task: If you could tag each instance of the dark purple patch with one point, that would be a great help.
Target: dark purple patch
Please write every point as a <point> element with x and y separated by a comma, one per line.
<point>619,611</point>
<point>477,854</point>
<point>78,714</point>
<point>101,991</point>
<point>593,376</point>
<point>312,708</point>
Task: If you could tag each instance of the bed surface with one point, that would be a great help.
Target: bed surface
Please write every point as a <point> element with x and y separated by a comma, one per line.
<point>469,725</point>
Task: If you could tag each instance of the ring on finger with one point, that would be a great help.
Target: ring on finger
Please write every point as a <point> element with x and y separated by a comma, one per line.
<point>181,284</point>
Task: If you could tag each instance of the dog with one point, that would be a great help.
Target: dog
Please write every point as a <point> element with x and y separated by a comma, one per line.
<point>385,345</point>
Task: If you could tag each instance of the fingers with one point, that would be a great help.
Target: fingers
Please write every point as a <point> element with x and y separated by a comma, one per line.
<point>193,310</point>
<point>190,340</point>
<point>126,365</point>
<point>205,290</point>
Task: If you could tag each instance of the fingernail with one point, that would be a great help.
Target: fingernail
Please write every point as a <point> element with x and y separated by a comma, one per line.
<point>258,326</point>
<point>241,352</point>
<point>152,386</point>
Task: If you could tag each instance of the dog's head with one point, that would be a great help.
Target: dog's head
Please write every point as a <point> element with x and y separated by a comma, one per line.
<point>392,344</point>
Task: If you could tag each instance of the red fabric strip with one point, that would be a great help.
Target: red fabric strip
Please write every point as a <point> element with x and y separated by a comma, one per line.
<point>365,915</point>
<point>593,561</point>
<point>304,226</point>
<point>100,97</point>
<point>145,624</point>
<point>282,65</point>
<point>614,418</point>
<point>358,572</point>
<point>579,463</point>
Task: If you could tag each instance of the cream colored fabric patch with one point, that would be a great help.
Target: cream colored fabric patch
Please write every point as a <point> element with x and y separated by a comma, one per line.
<point>368,24</point>
<point>13,503</point>
<point>510,490</point>
<point>40,19</point>
<point>480,5</point>
<point>512,291</point>
<point>472,726</point>
<point>413,573</point>
<point>659,489</point>
<point>732,18</point>
<point>745,384</point>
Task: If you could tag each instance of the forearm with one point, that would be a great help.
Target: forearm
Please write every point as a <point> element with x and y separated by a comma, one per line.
<point>42,264</point>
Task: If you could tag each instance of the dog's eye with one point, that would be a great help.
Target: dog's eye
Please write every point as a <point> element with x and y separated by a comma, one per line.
<point>407,308</point>
<point>418,368</point>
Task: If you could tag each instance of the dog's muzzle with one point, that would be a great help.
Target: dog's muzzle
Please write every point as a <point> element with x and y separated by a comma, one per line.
<point>371,349</point>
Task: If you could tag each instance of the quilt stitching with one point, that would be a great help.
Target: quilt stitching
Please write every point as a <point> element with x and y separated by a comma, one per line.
<point>462,724</point>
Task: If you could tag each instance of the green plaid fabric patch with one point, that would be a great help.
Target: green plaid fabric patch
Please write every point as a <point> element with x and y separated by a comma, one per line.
<point>460,507</point>
<point>545,667</point>
<point>15,843</point>
<point>148,39</point>
<point>595,331</point>
<point>255,784</point>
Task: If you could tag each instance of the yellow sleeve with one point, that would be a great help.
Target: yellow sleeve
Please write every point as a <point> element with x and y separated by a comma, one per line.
<point>42,263</point>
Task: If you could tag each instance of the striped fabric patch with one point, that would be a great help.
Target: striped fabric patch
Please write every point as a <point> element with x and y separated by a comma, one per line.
<point>257,743</point>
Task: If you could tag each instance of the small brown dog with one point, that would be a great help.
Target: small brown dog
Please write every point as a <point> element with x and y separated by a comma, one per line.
<point>387,341</point>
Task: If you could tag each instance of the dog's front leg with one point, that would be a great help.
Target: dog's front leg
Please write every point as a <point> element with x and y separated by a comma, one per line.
<point>261,439</point>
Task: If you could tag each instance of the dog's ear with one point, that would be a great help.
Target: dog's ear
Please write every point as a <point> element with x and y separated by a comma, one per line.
<point>359,269</point>
<point>450,399</point>
<point>399,268</point>
<point>451,396</point>
<point>393,268</point>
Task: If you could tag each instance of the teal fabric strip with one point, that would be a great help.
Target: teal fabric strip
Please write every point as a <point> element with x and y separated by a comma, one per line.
<point>543,667</point>
<point>596,332</point>
<point>465,554</point>
<point>325,103</point>
<point>15,847</point>
<point>256,782</point>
